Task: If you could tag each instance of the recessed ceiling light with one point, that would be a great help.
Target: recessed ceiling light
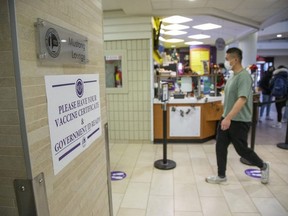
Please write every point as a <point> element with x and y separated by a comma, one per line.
<point>279,35</point>
<point>207,26</point>
<point>199,36</point>
<point>175,32</point>
<point>176,19</point>
<point>194,43</point>
<point>174,40</point>
<point>162,39</point>
<point>175,27</point>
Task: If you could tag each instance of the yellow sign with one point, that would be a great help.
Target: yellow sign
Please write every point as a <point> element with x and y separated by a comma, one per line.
<point>199,60</point>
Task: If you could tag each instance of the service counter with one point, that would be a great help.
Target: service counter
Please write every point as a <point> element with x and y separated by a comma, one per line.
<point>188,119</point>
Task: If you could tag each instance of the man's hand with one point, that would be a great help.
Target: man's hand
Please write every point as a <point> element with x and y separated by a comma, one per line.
<point>225,124</point>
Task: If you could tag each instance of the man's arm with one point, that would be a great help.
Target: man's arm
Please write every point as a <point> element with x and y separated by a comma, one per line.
<point>225,124</point>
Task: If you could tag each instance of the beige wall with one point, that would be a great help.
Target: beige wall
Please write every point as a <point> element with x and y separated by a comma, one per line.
<point>81,187</point>
<point>130,113</point>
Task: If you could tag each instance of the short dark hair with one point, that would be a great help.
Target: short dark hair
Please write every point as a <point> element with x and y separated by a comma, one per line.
<point>221,65</point>
<point>235,51</point>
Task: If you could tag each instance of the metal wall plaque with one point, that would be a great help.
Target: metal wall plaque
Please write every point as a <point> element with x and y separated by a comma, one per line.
<point>60,45</point>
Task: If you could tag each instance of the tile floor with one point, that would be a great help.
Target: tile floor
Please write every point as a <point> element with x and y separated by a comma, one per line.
<point>147,191</point>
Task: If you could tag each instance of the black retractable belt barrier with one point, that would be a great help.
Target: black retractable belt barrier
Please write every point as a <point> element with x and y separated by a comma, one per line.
<point>285,144</point>
<point>253,129</point>
<point>164,164</point>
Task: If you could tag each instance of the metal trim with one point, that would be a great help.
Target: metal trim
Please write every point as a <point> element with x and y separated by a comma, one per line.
<point>19,96</point>
<point>108,169</point>
<point>31,196</point>
<point>25,197</point>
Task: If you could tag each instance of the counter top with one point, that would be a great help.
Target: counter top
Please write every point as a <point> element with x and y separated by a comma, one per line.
<point>188,100</point>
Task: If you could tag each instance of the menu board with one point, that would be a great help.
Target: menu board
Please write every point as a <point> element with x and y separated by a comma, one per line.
<point>199,60</point>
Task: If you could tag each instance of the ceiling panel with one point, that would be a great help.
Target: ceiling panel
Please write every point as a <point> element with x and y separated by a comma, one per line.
<point>160,5</point>
<point>236,16</point>
<point>222,4</point>
<point>188,4</point>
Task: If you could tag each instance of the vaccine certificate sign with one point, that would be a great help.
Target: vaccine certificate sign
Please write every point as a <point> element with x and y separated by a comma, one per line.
<point>74,115</point>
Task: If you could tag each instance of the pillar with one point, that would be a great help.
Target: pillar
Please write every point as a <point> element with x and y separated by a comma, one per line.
<point>221,56</point>
<point>249,47</point>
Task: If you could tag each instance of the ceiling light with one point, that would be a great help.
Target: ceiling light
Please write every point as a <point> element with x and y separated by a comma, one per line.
<point>175,32</point>
<point>175,27</point>
<point>176,19</point>
<point>162,39</point>
<point>194,43</point>
<point>199,36</point>
<point>174,40</point>
<point>279,35</point>
<point>162,31</point>
<point>207,26</point>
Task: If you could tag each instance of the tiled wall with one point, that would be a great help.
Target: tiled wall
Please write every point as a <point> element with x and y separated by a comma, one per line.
<point>129,115</point>
<point>81,187</point>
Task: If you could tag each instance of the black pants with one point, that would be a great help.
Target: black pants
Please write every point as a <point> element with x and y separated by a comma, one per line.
<point>237,134</point>
<point>279,106</point>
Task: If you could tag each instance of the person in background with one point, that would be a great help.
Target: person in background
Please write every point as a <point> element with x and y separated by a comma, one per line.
<point>220,82</point>
<point>223,70</point>
<point>264,87</point>
<point>281,72</point>
<point>236,119</point>
<point>189,71</point>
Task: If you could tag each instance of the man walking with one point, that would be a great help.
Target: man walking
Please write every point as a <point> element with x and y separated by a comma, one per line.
<point>236,119</point>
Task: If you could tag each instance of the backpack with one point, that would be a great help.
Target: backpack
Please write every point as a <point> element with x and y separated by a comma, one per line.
<point>279,87</point>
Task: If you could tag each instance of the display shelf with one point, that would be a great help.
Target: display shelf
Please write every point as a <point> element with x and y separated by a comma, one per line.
<point>175,78</point>
<point>186,75</point>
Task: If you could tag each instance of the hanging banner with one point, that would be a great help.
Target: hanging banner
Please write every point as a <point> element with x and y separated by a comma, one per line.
<point>74,115</point>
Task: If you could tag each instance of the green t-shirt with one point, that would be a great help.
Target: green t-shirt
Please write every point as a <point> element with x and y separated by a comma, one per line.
<point>239,85</point>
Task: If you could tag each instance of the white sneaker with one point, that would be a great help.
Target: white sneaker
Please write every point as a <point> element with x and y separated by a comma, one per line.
<point>284,120</point>
<point>265,174</point>
<point>269,118</point>
<point>277,125</point>
<point>215,179</point>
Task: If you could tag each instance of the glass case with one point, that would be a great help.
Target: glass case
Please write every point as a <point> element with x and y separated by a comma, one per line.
<point>116,71</point>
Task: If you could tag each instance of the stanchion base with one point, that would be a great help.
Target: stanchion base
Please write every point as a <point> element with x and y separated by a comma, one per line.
<point>282,145</point>
<point>159,164</point>
<point>244,161</point>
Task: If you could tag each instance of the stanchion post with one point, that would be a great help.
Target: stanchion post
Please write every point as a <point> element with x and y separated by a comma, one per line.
<point>254,124</point>
<point>284,145</point>
<point>164,164</point>
<point>165,133</point>
<point>253,131</point>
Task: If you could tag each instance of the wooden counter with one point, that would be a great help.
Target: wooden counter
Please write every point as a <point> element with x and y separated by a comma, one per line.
<point>202,115</point>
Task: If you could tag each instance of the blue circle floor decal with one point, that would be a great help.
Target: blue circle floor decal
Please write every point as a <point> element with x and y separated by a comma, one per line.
<point>254,173</point>
<point>117,175</point>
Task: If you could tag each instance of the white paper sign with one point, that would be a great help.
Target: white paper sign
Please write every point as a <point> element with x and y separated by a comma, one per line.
<point>185,121</point>
<point>74,115</point>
